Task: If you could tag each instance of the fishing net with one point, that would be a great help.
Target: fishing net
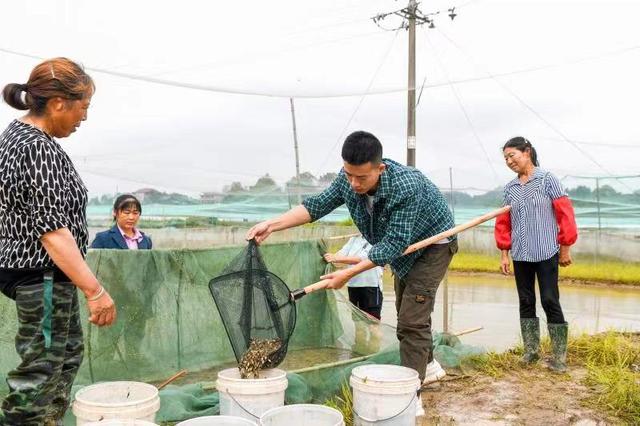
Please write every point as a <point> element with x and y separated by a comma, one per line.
<point>256,309</point>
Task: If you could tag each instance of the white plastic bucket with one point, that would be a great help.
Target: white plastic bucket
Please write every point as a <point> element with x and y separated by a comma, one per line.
<point>384,395</point>
<point>250,398</point>
<point>302,415</point>
<point>116,400</point>
<point>217,421</point>
<point>121,422</point>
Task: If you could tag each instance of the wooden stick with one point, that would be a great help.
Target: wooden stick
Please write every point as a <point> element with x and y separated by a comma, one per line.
<point>333,364</point>
<point>468,331</point>
<point>320,285</point>
<point>456,229</point>
<point>340,237</point>
<point>172,378</point>
<point>301,292</point>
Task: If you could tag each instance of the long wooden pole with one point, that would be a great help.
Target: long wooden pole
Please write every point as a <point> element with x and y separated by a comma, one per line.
<point>321,285</point>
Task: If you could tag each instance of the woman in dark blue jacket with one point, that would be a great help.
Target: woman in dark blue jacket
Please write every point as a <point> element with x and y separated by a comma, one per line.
<point>124,234</point>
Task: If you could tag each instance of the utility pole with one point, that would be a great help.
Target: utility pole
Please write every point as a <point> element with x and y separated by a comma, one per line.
<point>411,16</point>
<point>411,93</point>
<point>295,147</point>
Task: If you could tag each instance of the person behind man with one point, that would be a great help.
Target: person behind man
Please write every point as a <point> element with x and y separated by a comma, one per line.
<point>539,231</point>
<point>393,206</point>
<point>43,240</point>
<point>365,289</point>
<point>124,234</point>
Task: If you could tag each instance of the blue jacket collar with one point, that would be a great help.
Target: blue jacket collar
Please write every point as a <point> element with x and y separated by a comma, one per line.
<point>117,237</point>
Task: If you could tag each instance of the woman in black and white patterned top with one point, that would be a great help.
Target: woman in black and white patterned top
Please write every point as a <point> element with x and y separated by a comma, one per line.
<point>43,240</point>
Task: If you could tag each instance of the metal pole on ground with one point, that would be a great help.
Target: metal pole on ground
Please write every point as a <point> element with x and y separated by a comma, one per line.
<point>445,295</point>
<point>599,223</point>
<point>452,202</point>
<point>445,304</point>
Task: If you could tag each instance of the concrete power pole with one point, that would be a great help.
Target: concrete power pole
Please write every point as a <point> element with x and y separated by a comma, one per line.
<point>295,147</point>
<point>411,93</point>
<point>411,16</point>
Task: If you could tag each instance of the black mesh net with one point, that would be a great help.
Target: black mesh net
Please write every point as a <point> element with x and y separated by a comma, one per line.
<point>254,304</point>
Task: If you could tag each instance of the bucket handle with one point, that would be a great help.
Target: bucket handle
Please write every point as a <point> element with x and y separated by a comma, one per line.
<point>388,418</point>
<point>240,405</point>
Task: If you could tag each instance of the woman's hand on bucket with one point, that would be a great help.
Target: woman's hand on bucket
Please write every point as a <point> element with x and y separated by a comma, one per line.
<point>102,310</point>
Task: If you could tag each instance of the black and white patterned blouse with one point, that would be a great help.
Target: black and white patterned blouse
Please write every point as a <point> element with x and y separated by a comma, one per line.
<point>40,191</point>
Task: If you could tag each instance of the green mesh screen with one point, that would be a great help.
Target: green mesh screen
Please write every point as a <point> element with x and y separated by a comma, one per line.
<point>254,305</point>
<point>168,321</point>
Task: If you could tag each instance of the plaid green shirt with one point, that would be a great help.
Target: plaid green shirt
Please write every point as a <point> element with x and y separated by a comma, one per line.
<point>407,207</point>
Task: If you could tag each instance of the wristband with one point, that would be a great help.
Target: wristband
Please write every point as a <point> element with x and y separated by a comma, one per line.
<point>97,296</point>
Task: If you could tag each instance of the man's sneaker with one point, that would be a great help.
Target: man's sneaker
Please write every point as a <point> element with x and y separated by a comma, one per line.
<point>419,407</point>
<point>433,373</point>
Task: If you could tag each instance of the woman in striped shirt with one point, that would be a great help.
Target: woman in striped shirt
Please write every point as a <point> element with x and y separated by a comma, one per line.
<point>539,230</point>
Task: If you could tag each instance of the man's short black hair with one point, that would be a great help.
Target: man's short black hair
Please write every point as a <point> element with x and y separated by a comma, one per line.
<point>360,148</point>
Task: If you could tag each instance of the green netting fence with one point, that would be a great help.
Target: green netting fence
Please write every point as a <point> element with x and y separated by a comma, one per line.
<point>167,322</point>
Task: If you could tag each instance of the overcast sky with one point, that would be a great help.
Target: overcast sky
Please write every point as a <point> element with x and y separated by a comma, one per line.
<point>565,74</point>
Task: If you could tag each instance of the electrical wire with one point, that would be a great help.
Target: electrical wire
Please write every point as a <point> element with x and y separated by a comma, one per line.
<point>597,143</point>
<point>227,90</point>
<point>455,92</point>
<point>529,108</point>
<point>250,57</point>
<point>359,104</point>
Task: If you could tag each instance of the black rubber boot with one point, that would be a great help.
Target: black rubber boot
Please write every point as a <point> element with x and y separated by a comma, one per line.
<point>558,334</point>
<point>530,329</point>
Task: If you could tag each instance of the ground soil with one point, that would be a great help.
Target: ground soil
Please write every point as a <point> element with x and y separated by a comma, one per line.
<point>532,396</point>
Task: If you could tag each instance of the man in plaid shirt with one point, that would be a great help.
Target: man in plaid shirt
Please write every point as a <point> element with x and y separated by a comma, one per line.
<point>393,206</point>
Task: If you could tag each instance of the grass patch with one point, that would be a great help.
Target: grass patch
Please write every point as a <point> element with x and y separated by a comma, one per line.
<point>343,402</point>
<point>584,270</point>
<point>612,361</point>
<point>617,391</point>
<point>494,364</point>
<point>613,370</point>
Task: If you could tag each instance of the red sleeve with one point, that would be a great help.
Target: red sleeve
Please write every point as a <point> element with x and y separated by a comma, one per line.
<point>566,219</point>
<point>502,231</point>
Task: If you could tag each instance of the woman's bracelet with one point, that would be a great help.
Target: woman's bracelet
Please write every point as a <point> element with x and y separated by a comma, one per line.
<point>97,296</point>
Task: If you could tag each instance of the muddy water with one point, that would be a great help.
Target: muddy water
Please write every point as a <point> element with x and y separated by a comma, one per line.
<point>492,302</point>
<point>295,360</point>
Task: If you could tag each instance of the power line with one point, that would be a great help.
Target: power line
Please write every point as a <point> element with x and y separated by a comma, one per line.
<point>209,65</point>
<point>463,109</point>
<point>602,177</point>
<point>411,17</point>
<point>597,143</point>
<point>531,109</point>
<point>355,111</point>
<point>412,12</point>
<point>218,89</point>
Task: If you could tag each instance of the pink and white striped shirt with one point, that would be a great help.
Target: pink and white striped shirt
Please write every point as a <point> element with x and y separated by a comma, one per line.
<point>132,242</point>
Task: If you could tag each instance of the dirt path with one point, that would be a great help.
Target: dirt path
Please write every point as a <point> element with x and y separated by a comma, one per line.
<point>525,397</point>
